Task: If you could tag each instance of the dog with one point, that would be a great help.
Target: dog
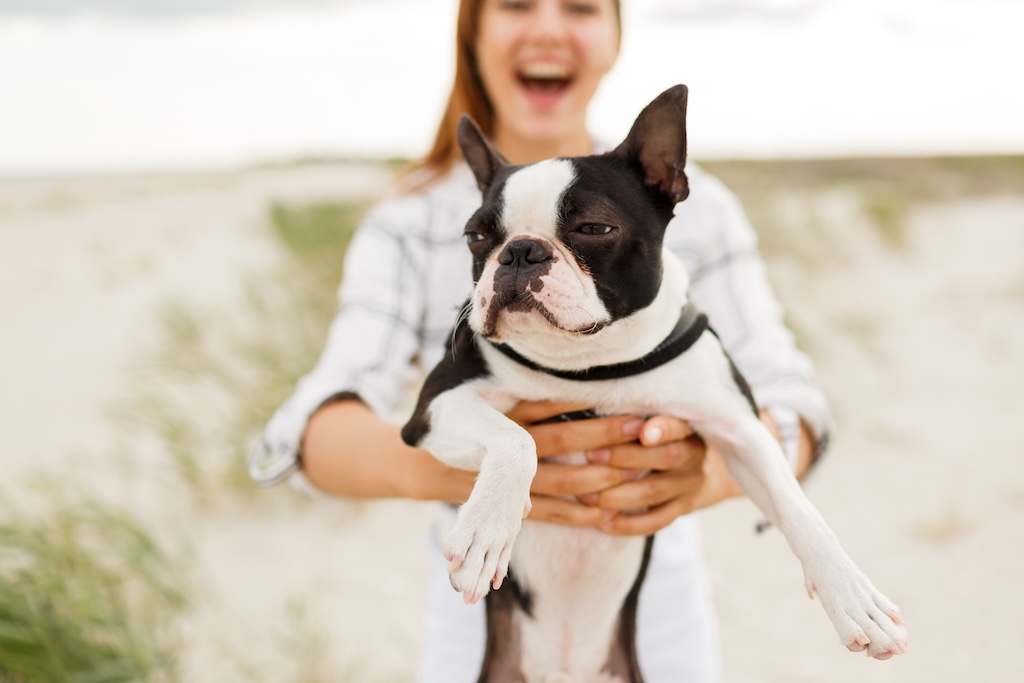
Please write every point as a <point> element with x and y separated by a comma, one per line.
<point>575,299</point>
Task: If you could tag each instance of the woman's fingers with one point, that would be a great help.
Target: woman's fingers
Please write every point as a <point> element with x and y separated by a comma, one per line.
<point>669,456</point>
<point>529,412</point>
<point>597,433</point>
<point>645,523</point>
<point>561,511</point>
<point>651,491</point>
<point>575,480</point>
<point>662,429</point>
<point>559,438</point>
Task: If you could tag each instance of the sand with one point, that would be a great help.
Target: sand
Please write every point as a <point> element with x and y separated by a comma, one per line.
<point>920,347</point>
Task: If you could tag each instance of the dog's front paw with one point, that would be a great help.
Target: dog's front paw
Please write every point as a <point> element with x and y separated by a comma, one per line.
<point>865,619</point>
<point>479,546</point>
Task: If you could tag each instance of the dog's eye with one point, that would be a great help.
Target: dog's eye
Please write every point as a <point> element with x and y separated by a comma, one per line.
<point>595,229</point>
<point>473,237</point>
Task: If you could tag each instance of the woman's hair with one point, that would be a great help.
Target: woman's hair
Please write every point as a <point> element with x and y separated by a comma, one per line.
<point>467,97</point>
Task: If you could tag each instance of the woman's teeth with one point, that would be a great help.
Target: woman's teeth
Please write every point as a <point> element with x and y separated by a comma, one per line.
<point>544,71</point>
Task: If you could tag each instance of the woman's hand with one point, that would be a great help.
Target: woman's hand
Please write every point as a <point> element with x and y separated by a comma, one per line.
<point>683,474</point>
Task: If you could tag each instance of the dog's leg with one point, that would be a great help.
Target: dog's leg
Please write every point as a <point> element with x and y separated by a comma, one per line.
<point>468,433</point>
<point>864,618</point>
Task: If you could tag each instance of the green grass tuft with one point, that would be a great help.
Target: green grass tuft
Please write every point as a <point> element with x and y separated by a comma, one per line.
<point>316,236</point>
<point>86,596</point>
<point>887,209</point>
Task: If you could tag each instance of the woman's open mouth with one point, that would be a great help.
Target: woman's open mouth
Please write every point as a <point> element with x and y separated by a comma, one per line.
<point>544,82</point>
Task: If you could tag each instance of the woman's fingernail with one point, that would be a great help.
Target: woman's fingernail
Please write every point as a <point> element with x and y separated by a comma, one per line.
<point>628,475</point>
<point>632,428</point>
<point>654,435</point>
<point>599,455</point>
<point>608,516</point>
<point>587,498</point>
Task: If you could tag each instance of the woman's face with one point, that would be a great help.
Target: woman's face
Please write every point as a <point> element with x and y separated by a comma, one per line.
<point>541,62</point>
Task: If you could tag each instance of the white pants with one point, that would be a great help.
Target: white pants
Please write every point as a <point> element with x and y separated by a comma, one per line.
<point>677,633</point>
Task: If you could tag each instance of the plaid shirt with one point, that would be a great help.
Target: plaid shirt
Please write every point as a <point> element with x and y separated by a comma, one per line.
<point>408,271</point>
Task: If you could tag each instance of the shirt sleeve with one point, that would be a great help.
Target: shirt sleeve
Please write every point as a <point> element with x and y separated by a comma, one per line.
<point>373,342</point>
<point>712,236</point>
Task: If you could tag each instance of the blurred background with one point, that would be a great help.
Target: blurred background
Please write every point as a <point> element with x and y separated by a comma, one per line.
<point>126,85</point>
<point>179,179</point>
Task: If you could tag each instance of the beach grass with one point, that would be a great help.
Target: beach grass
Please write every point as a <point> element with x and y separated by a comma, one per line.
<point>241,364</point>
<point>86,595</point>
<point>886,189</point>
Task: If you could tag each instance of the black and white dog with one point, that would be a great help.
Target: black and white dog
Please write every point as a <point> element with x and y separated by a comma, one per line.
<point>576,300</point>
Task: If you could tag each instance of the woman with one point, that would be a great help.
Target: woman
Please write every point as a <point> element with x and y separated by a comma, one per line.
<point>526,71</point>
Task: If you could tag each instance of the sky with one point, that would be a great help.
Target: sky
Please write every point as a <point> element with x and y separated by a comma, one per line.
<point>151,85</point>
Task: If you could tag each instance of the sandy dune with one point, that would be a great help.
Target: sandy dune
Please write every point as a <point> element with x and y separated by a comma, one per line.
<point>920,346</point>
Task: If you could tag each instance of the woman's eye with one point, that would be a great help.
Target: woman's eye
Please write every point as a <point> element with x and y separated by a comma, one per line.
<point>473,237</point>
<point>585,8</point>
<point>595,229</point>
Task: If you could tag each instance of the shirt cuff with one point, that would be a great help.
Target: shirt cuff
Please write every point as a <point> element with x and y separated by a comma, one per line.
<point>269,466</point>
<point>787,421</point>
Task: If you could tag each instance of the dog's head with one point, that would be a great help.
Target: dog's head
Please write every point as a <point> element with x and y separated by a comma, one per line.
<point>568,246</point>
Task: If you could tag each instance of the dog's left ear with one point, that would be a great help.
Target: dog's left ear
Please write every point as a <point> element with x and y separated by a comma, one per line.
<point>482,158</point>
<point>656,145</point>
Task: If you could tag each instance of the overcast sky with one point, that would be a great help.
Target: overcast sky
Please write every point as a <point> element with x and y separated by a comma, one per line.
<point>131,85</point>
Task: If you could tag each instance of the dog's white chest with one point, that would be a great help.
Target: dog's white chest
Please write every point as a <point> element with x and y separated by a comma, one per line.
<point>578,579</point>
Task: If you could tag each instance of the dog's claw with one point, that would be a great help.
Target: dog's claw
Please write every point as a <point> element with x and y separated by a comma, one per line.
<point>860,644</point>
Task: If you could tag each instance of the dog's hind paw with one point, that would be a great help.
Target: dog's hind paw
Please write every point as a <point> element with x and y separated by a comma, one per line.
<point>479,547</point>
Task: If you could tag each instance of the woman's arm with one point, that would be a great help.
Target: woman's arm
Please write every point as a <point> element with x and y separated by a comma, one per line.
<point>347,450</point>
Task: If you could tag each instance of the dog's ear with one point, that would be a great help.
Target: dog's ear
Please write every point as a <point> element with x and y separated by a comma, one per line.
<point>478,152</point>
<point>656,145</point>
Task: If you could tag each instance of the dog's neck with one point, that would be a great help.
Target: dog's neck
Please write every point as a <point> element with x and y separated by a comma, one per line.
<point>618,342</point>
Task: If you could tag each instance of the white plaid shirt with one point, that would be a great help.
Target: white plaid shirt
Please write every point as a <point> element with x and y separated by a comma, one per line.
<point>408,271</point>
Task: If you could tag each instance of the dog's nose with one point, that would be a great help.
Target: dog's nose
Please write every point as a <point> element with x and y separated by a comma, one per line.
<point>524,252</point>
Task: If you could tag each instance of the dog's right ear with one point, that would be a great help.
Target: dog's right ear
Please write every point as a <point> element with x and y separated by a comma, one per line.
<point>479,153</point>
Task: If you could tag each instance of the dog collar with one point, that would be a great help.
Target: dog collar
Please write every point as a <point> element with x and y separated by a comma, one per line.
<point>692,324</point>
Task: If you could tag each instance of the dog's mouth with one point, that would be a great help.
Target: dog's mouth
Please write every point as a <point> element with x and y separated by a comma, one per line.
<point>525,303</point>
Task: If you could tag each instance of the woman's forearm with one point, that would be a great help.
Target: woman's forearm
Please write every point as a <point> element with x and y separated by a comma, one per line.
<point>347,450</point>
<point>805,451</point>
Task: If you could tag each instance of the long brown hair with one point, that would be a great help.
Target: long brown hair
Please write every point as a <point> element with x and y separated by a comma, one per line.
<point>468,96</point>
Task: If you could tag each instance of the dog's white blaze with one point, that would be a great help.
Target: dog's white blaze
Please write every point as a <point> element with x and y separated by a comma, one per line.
<point>532,197</point>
